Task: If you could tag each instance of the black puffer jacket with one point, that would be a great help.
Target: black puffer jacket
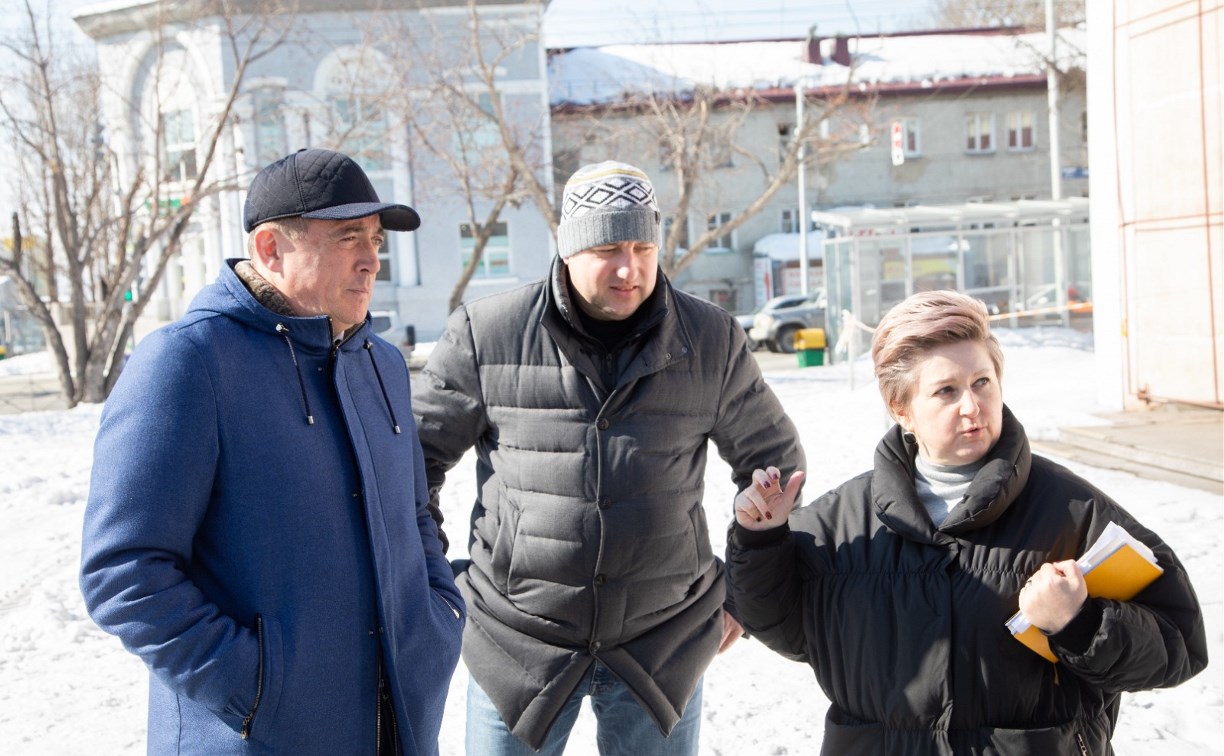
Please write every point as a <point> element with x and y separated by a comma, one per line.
<point>903,622</point>
<point>589,536</point>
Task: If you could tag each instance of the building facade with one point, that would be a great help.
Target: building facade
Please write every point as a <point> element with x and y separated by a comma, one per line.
<point>972,111</point>
<point>971,108</point>
<point>1157,138</point>
<point>340,76</point>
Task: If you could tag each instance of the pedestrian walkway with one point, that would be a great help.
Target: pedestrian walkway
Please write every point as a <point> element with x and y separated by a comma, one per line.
<point>1175,443</point>
<point>30,393</point>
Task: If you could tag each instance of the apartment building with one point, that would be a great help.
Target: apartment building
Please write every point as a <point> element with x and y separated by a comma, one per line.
<point>971,108</point>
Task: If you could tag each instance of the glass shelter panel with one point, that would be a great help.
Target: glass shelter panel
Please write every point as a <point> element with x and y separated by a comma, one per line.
<point>989,274</point>
<point>1079,265</point>
<point>1030,262</point>
<point>936,259</point>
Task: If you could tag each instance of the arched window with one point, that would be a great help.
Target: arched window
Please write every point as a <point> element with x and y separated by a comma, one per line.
<point>355,86</point>
<point>170,107</point>
<point>268,127</point>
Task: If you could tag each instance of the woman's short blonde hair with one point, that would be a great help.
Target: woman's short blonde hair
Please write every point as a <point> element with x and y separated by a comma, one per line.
<point>917,325</point>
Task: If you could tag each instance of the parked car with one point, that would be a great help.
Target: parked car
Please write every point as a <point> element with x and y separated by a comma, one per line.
<point>779,319</point>
<point>786,300</point>
<point>387,324</point>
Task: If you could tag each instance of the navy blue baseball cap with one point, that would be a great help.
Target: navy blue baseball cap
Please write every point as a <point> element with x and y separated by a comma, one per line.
<point>323,184</point>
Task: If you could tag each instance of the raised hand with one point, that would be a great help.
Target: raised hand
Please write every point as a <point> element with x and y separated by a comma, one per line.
<point>766,503</point>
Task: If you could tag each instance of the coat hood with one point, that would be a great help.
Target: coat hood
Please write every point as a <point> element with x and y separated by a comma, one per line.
<point>230,297</point>
<point>992,491</point>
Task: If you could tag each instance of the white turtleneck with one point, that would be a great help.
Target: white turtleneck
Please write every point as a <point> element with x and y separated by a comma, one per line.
<point>942,487</point>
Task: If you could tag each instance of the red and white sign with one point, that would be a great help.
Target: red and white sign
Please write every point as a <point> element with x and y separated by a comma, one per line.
<point>898,143</point>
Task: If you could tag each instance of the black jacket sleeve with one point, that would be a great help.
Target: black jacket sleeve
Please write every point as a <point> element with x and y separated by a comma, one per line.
<point>450,413</point>
<point>764,585</point>
<point>1155,640</point>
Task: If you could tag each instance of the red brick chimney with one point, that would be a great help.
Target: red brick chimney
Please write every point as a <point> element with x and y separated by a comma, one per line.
<point>812,54</point>
<point>841,54</point>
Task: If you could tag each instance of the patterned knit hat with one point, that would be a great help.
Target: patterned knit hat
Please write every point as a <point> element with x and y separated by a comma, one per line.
<point>606,203</point>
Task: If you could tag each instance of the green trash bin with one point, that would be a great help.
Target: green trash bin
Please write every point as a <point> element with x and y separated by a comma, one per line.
<point>810,346</point>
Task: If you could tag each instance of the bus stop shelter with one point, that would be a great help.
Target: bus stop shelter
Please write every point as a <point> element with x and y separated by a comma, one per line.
<point>1028,260</point>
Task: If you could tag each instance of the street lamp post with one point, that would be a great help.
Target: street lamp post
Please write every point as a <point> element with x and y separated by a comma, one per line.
<point>802,219</point>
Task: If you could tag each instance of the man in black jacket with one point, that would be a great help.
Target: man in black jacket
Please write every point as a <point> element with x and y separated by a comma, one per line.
<point>591,398</point>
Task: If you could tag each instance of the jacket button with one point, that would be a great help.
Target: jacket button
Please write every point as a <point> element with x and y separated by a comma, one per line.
<point>600,579</point>
<point>603,423</point>
<point>594,646</point>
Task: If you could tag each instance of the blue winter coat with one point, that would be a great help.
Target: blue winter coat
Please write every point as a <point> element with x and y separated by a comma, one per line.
<point>262,565</point>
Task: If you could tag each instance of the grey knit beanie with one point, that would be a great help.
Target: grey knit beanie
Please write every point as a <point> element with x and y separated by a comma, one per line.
<point>605,203</point>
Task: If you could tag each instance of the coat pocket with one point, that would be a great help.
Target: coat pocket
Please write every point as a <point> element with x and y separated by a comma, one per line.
<point>502,558</point>
<point>258,720</point>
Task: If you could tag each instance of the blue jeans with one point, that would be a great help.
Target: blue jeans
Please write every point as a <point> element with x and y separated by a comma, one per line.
<point>623,727</point>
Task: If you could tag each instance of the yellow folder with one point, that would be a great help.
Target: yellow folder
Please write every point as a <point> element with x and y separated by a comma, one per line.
<point>1117,567</point>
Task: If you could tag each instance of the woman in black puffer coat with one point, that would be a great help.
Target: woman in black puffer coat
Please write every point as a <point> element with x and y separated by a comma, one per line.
<point>895,586</point>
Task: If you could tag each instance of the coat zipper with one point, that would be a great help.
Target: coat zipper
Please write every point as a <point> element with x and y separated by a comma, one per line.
<point>1083,747</point>
<point>384,695</point>
<point>259,683</point>
<point>378,723</point>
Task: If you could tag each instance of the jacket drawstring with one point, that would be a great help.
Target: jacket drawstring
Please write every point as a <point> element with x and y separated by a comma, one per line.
<point>370,351</point>
<point>283,330</point>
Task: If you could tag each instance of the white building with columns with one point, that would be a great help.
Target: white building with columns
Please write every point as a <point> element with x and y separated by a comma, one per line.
<point>329,83</point>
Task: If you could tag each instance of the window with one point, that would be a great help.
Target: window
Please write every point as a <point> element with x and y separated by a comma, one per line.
<point>268,104</point>
<point>362,128</point>
<point>178,146</point>
<point>912,143</point>
<point>351,81</point>
<point>1020,130</point>
<point>495,261</point>
<point>979,132</point>
<point>682,238</point>
<point>724,298</point>
<point>480,132</point>
<point>786,133</point>
<point>790,220</point>
<point>726,242</point>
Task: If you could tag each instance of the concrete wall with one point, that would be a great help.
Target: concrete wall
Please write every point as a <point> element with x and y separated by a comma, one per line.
<point>1157,208</point>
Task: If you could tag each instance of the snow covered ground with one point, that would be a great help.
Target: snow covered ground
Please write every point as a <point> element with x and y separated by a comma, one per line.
<point>68,688</point>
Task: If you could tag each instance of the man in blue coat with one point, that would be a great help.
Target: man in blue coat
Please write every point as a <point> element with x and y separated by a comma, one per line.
<point>258,530</point>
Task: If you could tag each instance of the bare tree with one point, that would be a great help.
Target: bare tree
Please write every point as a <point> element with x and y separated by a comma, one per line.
<point>451,100</point>
<point>699,132</point>
<point>455,110</point>
<point>105,225</point>
<point>1029,14</point>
